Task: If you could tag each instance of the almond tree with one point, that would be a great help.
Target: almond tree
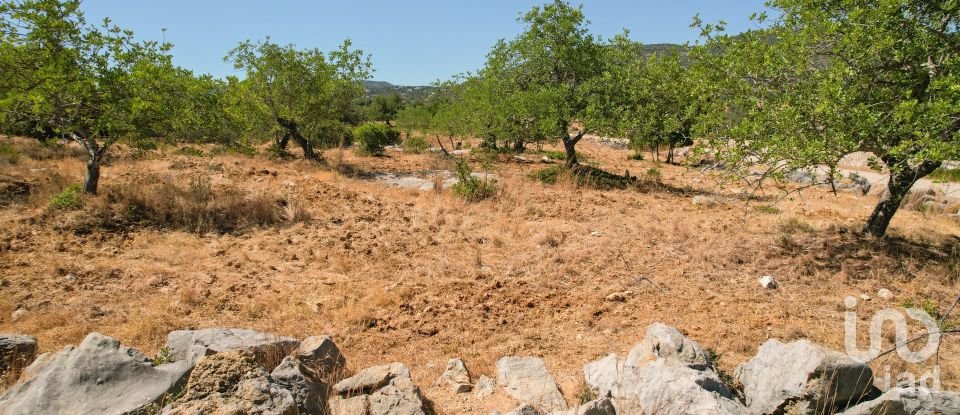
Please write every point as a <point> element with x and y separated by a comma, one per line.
<point>830,77</point>
<point>66,79</point>
<point>300,90</point>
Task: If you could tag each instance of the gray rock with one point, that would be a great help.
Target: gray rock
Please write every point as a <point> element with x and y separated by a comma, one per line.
<point>308,392</point>
<point>768,282</point>
<point>802,378</point>
<point>232,382</point>
<point>706,201</point>
<point>400,397</point>
<point>664,388</point>
<point>17,351</point>
<point>269,348</point>
<point>885,294</point>
<point>456,376</point>
<point>603,376</point>
<point>371,379</point>
<point>524,409</point>
<point>910,401</point>
<point>356,405</point>
<point>98,376</point>
<point>663,341</point>
<point>485,386</point>
<point>602,406</point>
<point>527,380</point>
<point>320,355</point>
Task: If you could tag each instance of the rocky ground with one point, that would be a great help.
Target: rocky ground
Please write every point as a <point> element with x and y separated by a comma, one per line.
<point>564,273</point>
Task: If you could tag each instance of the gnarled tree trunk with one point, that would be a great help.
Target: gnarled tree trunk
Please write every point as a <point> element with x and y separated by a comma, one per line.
<point>902,178</point>
<point>570,146</point>
<point>92,179</point>
<point>293,131</point>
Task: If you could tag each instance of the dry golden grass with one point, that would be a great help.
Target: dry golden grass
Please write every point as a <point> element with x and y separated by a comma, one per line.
<point>420,277</point>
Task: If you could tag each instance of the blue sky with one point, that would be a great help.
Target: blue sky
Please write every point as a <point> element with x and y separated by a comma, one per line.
<point>412,42</point>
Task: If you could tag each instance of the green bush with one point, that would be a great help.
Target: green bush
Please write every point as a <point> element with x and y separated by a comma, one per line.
<point>370,139</point>
<point>329,135</point>
<point>472,188</point>
<point>415,145</point>
<point>69,198</point>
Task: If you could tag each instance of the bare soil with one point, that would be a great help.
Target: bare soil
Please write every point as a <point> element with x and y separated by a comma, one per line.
<point>421,276</point>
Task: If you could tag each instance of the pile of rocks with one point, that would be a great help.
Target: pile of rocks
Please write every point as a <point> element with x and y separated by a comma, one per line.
<point>239,371</point>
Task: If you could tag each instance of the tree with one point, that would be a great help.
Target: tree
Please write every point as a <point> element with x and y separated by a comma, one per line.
<point>646,98</point>
<point>414,118</point>
<point>300,90</point>
<point>64,78</point>
<point>830,77</point>
<point>552,61</point>
<point>385,107</point>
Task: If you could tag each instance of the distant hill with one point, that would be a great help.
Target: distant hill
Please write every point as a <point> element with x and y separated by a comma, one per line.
<point>409,93</point>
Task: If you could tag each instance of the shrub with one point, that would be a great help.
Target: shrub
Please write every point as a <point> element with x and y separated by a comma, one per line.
<point>330,134</point>
<point>69,198</point>
<point>638,156</point>
<point>472,188</point>
<point>583,176</point>
<point>370,139</point>
<point>415,145</point>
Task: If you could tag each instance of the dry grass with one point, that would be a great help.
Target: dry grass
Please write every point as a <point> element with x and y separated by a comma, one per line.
<point>419,277</point>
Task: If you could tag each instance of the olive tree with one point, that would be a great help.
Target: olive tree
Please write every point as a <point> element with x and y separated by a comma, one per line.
<point>830,77</point>
<point>300,90</point>
<point>66,79</point>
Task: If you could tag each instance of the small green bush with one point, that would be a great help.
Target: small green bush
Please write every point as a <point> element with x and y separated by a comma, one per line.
<point>415,145</point>
<point>9,154</point>
<point>472,188</point>
<point>69,198</point>
<point>370,139</point>
<point>638,156</point>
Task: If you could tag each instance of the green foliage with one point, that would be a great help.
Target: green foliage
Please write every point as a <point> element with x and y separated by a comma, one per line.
<point>928,306</point>
<point>385,107</point>
<point>370,139</point>
<point>190,151</point>
<point>581,175</point>
<point>415,118</point>
<point>165,355</point>
<point>945,175</point>
<point>637,156</point>
<point>68,199</point>
<point>470,187</point>
<point>415,145</point>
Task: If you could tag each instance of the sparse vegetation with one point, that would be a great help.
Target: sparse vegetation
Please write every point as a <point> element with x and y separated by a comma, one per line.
<point>370,139</point>
<point>470,187</point>
<point>68,199</point>
<point>415,145</point>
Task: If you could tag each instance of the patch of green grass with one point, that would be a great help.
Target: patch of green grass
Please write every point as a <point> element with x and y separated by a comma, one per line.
<point>165,355</point>
<point>472,188</point>
<point>945,175</point>
<point>68,199</point>
<point>928,306</point>
<point>415,145</point>
<point>9,154</point>
<point>587,176</point>
<point>767,209</point>
<point>561,155</point>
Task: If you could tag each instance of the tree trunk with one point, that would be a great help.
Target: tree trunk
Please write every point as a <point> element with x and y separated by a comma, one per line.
<point>902,178</point>
<point>570,145</point>
<point>93,175</point>
<point>519,146</point>
<point>670,153</point>
<point>308,152</point>
<point>293,131</point>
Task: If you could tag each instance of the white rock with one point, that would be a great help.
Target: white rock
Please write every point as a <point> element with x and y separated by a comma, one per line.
<point>768,282</point>
<point>18,314</point>
<point>456,376</point>
<point>802,378</point>
<point>910,401</point>
<point>485,386</point>
<point>527,380</point>
<point>885,294</point>
<point>602,406</point>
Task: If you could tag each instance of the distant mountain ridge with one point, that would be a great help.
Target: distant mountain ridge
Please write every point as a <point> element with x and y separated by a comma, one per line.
<point>408,92</point>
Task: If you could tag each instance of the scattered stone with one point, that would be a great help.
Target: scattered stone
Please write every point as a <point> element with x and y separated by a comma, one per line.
<point>768,282</point>
<point>456,376</point>
<point>320,355</point>
<point>232,382</point>
<point>620,296</point>
<point>485,386</point>
<point>371,379</point>
<point>665,342</point>
<point>885,294</point>
<point>602,406</point>
<point>17,351</point>
<point>357,405</point>
<point>803,378</point>
<point>400,397</point>
<point>603,376</point>
<point>865,297</point>
<point>596,234</point>
<point>269,348</point>
<point>309,392</point>
<point>662,388</point>
<point>705,201</point>
<point>525,409</point>
<point>99,376</point>
<point>18,314</point>
<point>910,401</point>
<point>527,380</point>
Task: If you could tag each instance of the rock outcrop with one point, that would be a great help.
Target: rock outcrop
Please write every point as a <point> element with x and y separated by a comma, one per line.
<point>269,348</point>
<point>909,401</point>
<point>97,377</point>
<point>527,380</point>
<point>379,390</point>
<point>802,378</point>
<point>16,353</point>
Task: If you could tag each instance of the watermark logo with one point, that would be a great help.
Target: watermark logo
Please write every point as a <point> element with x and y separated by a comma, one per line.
<point>929,379</point>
